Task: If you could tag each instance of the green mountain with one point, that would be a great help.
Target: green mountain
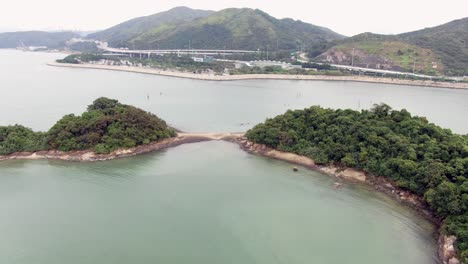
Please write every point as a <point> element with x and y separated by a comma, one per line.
<point>35,38</point>
<point>120,34</point>
<point>449,41</point>
<point>231,28</point>
<point>438,50</point>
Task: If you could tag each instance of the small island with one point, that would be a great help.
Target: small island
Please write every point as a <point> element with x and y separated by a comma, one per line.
<point>106,126</point>
<point>107,130</point>
<point>408,152</point>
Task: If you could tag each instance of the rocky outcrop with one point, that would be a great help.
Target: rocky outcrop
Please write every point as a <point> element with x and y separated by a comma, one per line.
<point>276,154</point>
<point>343,173</point>
<point>447,250</point>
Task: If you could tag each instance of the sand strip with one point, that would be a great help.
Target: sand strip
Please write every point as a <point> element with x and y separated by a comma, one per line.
<point>90,155</point>
<point>208,77</point>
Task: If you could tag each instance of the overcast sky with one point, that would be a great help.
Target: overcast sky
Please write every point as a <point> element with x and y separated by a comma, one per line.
<point>348,17</point>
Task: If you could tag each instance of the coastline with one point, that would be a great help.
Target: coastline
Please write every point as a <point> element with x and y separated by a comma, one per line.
<point>208,77</point>
<point>445,244</point>
<point>446,250</point>
<point>91,156</point>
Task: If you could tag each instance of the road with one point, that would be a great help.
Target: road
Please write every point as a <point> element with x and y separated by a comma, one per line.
<point>104,46</point>
<point>303,59</point>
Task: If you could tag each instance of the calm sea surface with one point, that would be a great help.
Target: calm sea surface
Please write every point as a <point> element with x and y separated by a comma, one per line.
<point>37,95</point>
<point>199,203</point>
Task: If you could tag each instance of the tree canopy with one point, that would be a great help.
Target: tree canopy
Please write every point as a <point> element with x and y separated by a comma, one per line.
<point>19,138</point>
<point>417,155</point>
<point>106,126</point>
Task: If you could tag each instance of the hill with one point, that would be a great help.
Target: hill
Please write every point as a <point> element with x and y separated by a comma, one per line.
<point>106,126</point>
<point>418,156</point>
<point>449,41</point>
<point>35,38</point>
<point>231,28</point>
<point>438,50</point>
<point>120,34</point>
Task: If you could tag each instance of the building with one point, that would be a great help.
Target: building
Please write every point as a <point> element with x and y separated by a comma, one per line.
<point>204,59</point>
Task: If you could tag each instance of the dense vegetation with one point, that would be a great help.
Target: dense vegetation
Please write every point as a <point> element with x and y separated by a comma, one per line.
<point>415,154</point>
<point>231,28</point>
<point>106,126</point>
<point>85,58</point>
<point>287,71</point>
<point>19,138</point>
<point>172,62</point>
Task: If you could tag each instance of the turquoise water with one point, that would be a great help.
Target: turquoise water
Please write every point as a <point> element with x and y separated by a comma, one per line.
<point>205,202</point>
<point>199,203</point>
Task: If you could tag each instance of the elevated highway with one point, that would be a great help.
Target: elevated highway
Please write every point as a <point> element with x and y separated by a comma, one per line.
<point>148,53</point>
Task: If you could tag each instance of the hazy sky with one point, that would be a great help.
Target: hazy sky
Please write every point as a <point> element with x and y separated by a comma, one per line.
<point>348,17</point>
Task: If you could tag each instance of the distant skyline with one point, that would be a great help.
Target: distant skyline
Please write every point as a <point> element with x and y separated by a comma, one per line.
<point>345,17</point>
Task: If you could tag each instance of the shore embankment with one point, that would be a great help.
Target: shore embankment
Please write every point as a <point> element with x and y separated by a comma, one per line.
<point>212,77</point>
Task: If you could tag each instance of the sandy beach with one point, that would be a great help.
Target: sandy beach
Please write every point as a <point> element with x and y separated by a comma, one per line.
<point>208,77</point>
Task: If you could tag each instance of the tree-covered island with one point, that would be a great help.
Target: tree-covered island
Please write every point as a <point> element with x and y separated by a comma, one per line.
<point>418,156</point>
<point>107,125</point>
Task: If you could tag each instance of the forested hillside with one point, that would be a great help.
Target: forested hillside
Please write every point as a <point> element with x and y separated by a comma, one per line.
<point>232,28</point>
<point>120,34</point>
<point>106,126</point>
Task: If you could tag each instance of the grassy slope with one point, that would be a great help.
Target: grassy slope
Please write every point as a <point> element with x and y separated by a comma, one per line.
<point>390,53</point>
<point>449,41</point>
<point>445,45</point>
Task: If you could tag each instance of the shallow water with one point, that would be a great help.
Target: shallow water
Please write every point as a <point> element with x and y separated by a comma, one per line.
<point>190,204</point>
<point>205,202</point>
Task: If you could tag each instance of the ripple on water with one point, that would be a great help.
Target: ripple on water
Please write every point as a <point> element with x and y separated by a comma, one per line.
<point>205,202</point>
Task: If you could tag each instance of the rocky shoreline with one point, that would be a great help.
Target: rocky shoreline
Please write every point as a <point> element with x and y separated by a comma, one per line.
<point>208,77</point>
<point>90,155</point>
<point>446,244</point>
